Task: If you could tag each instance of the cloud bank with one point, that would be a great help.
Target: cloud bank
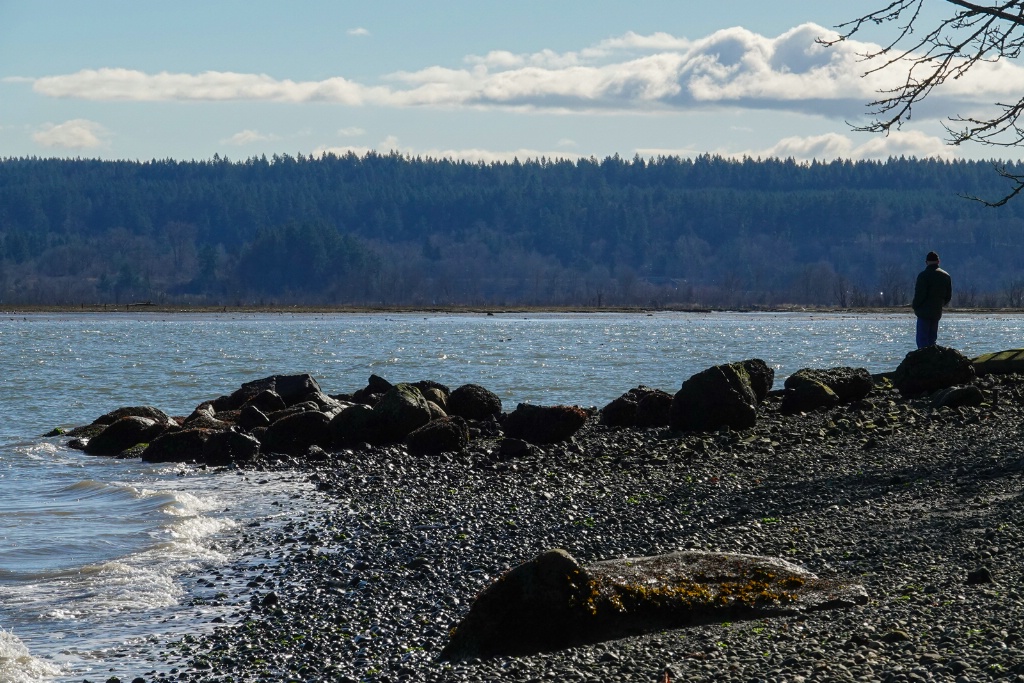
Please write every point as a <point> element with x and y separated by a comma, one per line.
<point>73,134</point>
<point>733,68</point>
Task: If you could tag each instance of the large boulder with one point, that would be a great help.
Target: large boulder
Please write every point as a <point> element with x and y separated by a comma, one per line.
<point>124,433</point>
<point>552,602</point>
<point>807,396</point>
<point>721,396</point>
<point>355,425</point>
<point>185,446</point>
<point>762,377</point>
<point>654,409</point>
<point>375,387</point>
<point>473,402</point>
<point>958,397</point>
<point>444,435</point>
<point>267,401</point>
<point>544,424</point>
<point>227,447</point>
<point>625,410</point>
<point>932,368</point>
<point>295,433</point>
<point>250,417</point>
<point>400,411</point>
<point>848,384</point>
<point>149,412</point>
<point>291,389</point>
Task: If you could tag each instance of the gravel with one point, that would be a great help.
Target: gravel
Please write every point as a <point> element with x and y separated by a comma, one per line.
<point>921,506</point>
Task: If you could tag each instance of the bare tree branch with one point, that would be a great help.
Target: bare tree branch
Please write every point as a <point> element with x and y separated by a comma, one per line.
<point>972,34</point>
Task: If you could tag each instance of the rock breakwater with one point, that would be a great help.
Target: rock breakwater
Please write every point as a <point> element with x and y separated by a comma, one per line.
<point>918,501</point>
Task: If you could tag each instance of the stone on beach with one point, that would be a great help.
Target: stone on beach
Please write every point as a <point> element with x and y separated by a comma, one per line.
<point>930,369</point>
<point>638,407</point>
<point>124,433</point>
<point>544,424</point>
<point>551,602</point>
<point>473,402</point>
<point>446,434</point>
<point>721,396</point>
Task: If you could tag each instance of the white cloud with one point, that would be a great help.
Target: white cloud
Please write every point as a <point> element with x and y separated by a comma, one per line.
<point>360,31</point>
<point>130,85</point>
<point>248,137</point>
<point>73,134</point>
<point>391,144</point>
<point>732,68</point>
<point>351,132</point>
<point>832,146</point>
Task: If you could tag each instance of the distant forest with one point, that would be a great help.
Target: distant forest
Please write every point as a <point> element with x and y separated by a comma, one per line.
<point>393,230</point>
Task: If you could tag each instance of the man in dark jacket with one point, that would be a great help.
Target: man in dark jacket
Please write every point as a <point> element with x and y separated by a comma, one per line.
<point>933,290</point>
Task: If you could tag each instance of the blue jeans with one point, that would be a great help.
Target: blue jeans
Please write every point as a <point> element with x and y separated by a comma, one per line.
<point>927,332</point>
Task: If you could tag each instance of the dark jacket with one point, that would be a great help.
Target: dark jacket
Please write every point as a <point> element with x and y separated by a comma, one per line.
<point>933,290</point>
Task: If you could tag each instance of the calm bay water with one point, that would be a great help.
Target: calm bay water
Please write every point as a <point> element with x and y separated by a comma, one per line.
<point>92,550</point>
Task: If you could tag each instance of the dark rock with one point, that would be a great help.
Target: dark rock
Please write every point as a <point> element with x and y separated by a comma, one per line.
<point>292,410</point>
<point>182,446</point>
<point>720,396</point>
<point>291,388</point>
<point>400,411</point>
<point>433,387</point>
<point>250,417</point>
<point>123,434</point>
<point>473,402</point>
<point>762,377</point>
<point>323,402</point>
<point>295,433</point>
<point>436,411</point>
<point>375,387</point>
<point>807,396</point>
<point>654,409</point>
<point>149,412</point>
<point>226,447</point>
<point>515,448</point>
<point>448,434</point>
<point>551,602</point>
<point>625,410</point>
<point>535,607</point>
<point>355,425</point>
<point>621,412</point>
<point>848,384</point>
<point>979,576</point>
<point>955,397</point>
<point>267,401</point>
<point>544,424</point>
<point>930,369</point>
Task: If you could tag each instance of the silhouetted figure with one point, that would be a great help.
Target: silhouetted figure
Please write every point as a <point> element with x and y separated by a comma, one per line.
<point>933,290</point>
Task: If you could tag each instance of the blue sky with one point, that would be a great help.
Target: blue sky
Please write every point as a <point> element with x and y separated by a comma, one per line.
<point>467,79</point>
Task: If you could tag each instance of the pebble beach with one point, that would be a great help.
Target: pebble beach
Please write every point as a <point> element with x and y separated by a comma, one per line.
<point>368,574</point>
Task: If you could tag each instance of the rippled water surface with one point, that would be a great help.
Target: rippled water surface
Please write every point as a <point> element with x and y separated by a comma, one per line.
<point>92,549</point>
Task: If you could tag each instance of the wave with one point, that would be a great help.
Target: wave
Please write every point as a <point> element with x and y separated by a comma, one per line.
<point>17,665</point>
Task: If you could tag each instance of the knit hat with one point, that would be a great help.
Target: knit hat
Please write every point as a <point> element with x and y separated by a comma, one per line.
<point>932,256</point>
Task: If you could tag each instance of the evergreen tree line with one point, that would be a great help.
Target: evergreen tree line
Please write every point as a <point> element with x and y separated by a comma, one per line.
<point>393,230</point>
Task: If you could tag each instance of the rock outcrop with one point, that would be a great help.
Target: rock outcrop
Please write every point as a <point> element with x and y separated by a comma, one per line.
<point>551,602</point>
<point>721,396</point>
<point>473,402</point>
<point>927,370</point>
<point>544,424</point>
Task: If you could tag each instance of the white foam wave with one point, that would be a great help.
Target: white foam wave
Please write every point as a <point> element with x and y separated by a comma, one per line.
<point>17,665</point>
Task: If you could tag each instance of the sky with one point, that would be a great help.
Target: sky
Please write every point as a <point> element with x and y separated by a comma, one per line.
<point>468,79</point>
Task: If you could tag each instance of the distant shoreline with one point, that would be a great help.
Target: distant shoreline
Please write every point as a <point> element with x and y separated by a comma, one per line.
<point>146,307</point>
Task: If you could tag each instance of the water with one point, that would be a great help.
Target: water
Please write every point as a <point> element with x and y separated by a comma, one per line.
<point>93,550</point>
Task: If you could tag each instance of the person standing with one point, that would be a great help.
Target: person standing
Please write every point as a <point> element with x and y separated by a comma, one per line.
<point>933,290</point>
